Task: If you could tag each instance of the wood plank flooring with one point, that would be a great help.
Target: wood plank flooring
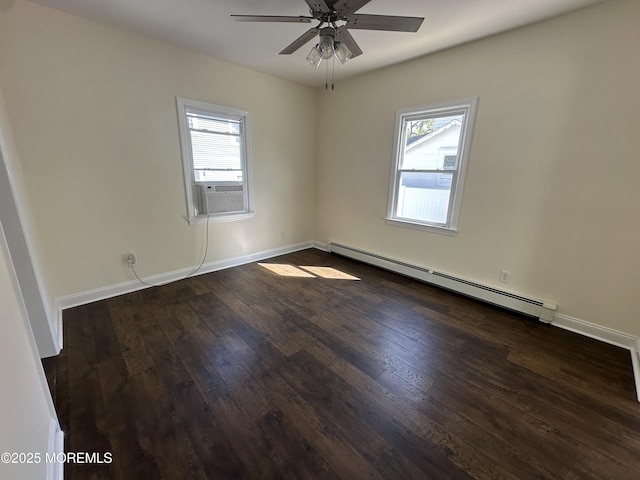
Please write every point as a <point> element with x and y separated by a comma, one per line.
<point>244,374</point>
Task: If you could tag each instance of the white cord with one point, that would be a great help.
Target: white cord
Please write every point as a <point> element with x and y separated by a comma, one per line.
<point>204,257</point>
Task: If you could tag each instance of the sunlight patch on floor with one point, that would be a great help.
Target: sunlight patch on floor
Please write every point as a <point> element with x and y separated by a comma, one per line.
<point>329,272</point>
<point>286,270</point>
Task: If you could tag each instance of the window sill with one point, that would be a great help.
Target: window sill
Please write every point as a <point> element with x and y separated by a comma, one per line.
<point>220,218</point>
<point>451,232</point>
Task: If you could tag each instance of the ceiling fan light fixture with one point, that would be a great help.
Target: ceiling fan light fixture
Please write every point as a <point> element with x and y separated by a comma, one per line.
<point>342,53</point>
<point>326,46</point>
<point>315,57</point>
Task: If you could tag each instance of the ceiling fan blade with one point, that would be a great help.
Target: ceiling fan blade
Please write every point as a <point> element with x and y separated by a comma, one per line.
<point>318,6</point>
<point>384,22</point>
<point>300,41</point>
<point>271,18</point>
<point>346,8</point>
<point>343,36</point>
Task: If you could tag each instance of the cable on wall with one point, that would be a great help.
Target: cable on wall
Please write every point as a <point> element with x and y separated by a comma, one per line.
<point>193,272</point>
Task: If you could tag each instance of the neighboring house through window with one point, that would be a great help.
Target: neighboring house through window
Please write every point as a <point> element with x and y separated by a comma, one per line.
<point>431,151</point>
<point>215,159</point>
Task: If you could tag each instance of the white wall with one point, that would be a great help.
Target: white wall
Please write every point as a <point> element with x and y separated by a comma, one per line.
<point>93,114</point>
<point>552,185</point>
<point>22,239</point>
<point>26,409</point>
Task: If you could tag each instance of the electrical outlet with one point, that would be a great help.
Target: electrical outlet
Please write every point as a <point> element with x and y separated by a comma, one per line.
<point>505,276</point>
<point>131,259</point>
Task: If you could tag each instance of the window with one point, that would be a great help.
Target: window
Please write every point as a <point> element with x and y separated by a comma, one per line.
<point>431,150</point>
<point>215,158</point>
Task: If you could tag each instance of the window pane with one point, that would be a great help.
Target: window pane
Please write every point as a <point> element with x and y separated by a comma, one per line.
<point>426,138</point>
<point>450,162</point>
<point>424,196</point>
<point>203,122</point>
<point>215,151</point>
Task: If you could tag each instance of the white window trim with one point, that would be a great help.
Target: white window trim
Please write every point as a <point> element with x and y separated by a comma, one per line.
<point>410,223</point>
<point>189,180</point>
<point>469,106</point>
<point>220,218</point>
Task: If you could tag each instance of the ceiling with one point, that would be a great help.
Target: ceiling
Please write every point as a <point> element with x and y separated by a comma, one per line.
<point>206,26</point>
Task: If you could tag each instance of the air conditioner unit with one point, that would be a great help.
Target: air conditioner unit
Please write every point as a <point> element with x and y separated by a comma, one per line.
<point>218,199</point>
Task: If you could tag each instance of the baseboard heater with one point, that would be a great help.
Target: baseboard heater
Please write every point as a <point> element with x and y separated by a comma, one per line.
<point>542,310</point>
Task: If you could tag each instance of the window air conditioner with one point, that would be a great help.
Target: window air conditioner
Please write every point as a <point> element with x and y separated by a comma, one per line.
<point>218,199</point>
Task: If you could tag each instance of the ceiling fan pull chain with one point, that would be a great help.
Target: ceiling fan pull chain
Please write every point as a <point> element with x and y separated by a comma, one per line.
<point>333,72</point>
<point>326,76</point>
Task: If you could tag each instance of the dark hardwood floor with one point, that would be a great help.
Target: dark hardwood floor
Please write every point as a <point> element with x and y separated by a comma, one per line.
<point>246,374</point>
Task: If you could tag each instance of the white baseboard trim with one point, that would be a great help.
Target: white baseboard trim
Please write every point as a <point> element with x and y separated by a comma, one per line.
<point>55,470</point>
<point>592,330</point>
<point>324,246</point>
<point>635,360</point>
<point>57,323</point>
<point>89,296</point>
<point>607,335</point>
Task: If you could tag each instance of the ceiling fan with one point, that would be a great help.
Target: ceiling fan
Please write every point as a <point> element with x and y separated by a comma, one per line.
<point>336,41</point>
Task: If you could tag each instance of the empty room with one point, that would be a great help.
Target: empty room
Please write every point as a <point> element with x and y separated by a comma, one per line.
<point>338,239</point>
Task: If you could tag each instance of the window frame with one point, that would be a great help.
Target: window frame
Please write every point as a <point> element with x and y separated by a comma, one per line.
<point>466,106</point>
<point>185,105</point>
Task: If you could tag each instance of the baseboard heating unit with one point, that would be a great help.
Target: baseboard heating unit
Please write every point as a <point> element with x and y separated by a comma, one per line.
<point>542,310</point>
